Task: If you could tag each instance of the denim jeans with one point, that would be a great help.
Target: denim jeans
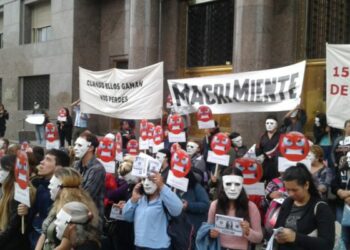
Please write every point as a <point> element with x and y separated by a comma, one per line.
<point>345,231</point>
<point>40,134</point>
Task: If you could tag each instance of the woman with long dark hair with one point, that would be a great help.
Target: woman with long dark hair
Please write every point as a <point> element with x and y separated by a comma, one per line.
<point>305,221</point>
<point>233,201</point>
<point>65,129</point>
<point>10,222</point>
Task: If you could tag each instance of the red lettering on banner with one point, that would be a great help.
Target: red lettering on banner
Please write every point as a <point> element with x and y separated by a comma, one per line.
<point>339,89</point>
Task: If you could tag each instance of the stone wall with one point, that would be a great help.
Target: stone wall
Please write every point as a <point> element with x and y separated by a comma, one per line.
<point>53,58</point>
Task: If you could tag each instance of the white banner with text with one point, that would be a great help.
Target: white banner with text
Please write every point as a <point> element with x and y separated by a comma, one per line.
<point>338,82</point>
<point>123,93</point>
<point>257,91</point>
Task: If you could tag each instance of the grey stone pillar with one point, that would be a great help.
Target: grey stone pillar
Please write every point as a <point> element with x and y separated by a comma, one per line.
<point>144,33</point>
<point>251,51</point>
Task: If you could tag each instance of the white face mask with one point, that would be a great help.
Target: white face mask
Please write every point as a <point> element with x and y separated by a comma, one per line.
<point>317,122</point>
<point>238,142</point>
<point>3,175</point>
<point>81,146</point>
<point>191,148</point>
<point>2,144</point>
<point>149,186</point>
<point>54,186</point>
<point>270,125</point>
<point>130,179</point>
<point>311,156</point>
<point>348,158</point>
<point>233,185</point>
<point>61,222</point>
<point>160,157</point>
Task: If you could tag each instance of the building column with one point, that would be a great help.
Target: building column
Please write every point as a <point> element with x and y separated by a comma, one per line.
<point>144,33</point>
<point>253,24</point>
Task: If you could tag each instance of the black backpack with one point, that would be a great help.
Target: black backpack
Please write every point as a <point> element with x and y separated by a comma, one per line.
<point>180,231</point>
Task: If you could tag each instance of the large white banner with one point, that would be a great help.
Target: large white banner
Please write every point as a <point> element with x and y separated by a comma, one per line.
<point>123,93</point>
<point>338,82</point>
<point>257,91</point>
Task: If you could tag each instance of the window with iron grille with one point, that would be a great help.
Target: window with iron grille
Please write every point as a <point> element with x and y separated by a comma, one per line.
<point>35,89</point>
<point>328,21</point>
<point>210,33</point>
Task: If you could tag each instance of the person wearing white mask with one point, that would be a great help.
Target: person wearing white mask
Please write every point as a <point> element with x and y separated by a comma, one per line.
<point>146,209</point>
<point>65,186</point>
<point>233,201</point>
<point>200,171</point>
<point>237,144</point>
<point>75,226</point>
<point>121,232</point>
<point>10,222</point>
<point>90,168</point>
<point>53,159</point>
<point>267,149</point>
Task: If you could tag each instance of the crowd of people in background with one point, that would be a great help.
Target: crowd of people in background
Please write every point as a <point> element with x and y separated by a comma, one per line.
<point>73,198</point>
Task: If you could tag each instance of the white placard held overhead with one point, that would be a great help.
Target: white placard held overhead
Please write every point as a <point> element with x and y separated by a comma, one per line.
<point>204,125</point>
<point>109,166</point>
<point>143,144</point>
<point>255,189</point>
<point>283,163</point>
<point>22,195</point>
<point>176,182</point>
<point>218,159</point>
<point>181,137</point>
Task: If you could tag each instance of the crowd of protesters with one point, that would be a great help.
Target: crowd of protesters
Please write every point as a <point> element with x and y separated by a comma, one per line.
<point>74,201</point>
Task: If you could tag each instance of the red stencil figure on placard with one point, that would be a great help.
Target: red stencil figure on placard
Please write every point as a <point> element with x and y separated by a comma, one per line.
<point>175,124</point>
<point>251,170</point>
<point>22,170</point>
<point>180,163</point>
<point>204,114</point>
<point>51,132</point>
<point>143,129</point>
<point>25,146</point>
<point>158,135</point>
<point>118,143</point>
<point>133,147</point>
<point>294,146</point>
<point>174,148</point>
<point>106,149</point>
<point>62,115</point>
<point>220,144</point>
<point>150,130</point>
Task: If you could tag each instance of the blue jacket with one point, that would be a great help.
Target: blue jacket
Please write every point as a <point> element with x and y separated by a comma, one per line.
<point>198,205</point>
<point>203,240</point>
<point>150,219</point>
